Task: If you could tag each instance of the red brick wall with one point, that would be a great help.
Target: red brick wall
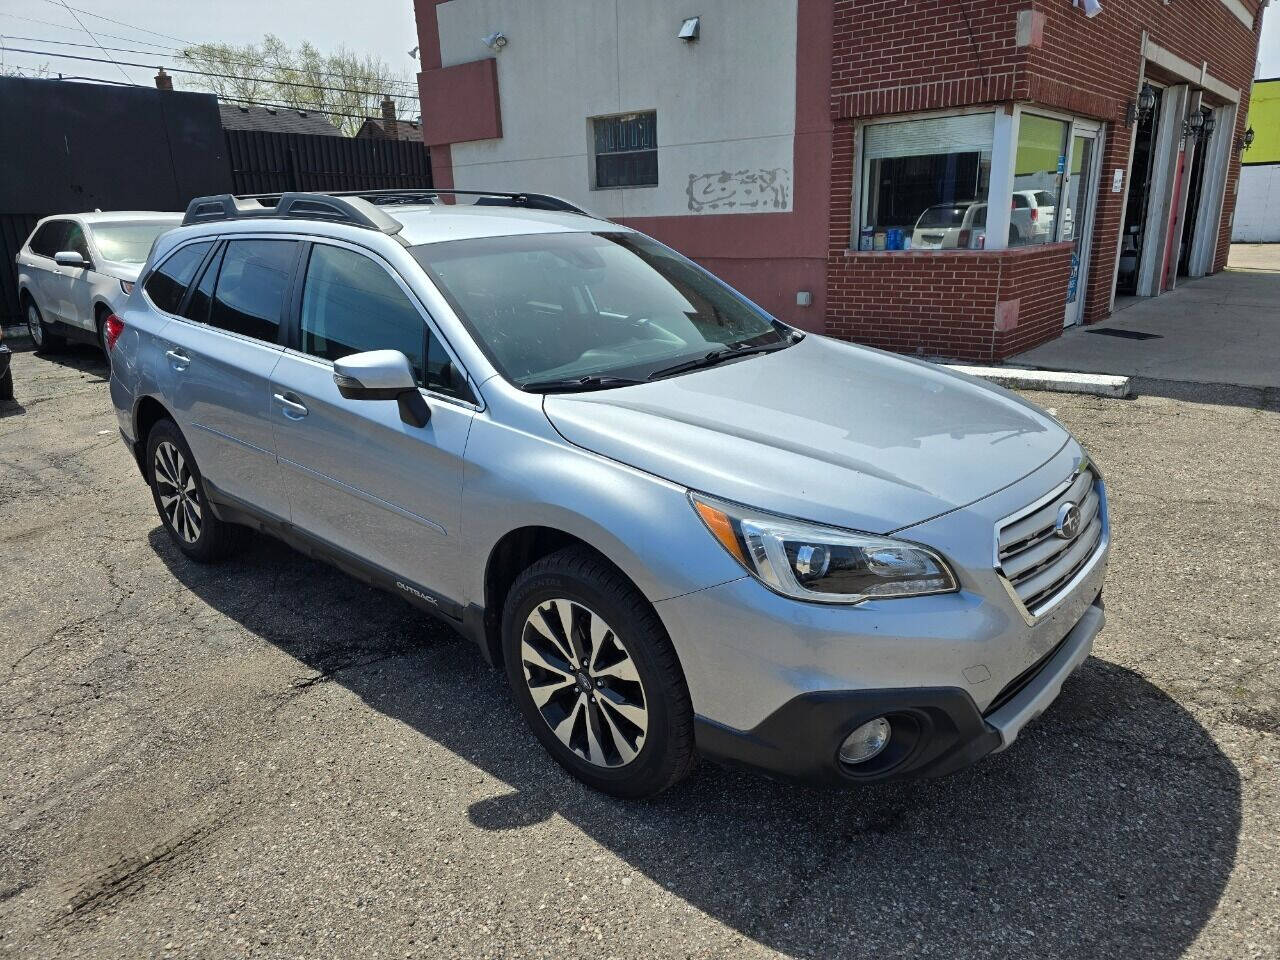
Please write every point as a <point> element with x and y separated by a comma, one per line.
<point>968,304</point>
<point>902,56</point>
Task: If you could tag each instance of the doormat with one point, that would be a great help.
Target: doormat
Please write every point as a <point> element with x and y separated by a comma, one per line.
<point>1128,334</point>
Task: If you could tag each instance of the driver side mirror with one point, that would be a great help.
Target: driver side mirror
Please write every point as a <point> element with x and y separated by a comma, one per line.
<point>69,258</point>
<point>382,375</point>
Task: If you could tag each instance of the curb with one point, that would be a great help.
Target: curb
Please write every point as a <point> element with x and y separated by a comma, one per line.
<point>1053,381</point>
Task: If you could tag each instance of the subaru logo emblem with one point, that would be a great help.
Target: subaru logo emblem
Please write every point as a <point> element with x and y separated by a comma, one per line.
<point>1068,523</point>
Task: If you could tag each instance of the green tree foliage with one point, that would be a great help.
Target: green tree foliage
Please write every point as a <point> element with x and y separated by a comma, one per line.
<point>344,85</point>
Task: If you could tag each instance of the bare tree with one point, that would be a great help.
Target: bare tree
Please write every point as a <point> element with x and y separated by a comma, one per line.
<point>344,85</point>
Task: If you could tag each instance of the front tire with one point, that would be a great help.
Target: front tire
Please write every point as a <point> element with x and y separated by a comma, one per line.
<point>100,318</point>
<point>177,489</point>
<point>596,677</point>
<point>43,338</point>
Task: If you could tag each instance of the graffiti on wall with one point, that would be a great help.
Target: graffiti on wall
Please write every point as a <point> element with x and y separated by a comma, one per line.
<point>739,190</point>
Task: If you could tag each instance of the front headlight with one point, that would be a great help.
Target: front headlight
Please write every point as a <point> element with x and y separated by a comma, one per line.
<point>808,561</point>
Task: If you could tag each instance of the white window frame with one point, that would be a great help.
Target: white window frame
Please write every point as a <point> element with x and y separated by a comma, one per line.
<point>857,211</point>
<point>1004,155</point>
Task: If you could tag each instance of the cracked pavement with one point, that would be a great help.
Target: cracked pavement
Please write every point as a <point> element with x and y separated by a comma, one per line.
<point>265,758</point>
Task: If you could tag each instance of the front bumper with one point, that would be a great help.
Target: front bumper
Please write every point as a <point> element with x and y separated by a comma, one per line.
<point>936,730</point>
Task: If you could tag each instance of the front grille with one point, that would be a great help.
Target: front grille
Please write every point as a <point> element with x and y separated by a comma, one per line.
<point>1035,560</point>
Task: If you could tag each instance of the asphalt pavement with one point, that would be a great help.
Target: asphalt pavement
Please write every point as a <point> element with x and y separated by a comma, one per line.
<point>265,758</point>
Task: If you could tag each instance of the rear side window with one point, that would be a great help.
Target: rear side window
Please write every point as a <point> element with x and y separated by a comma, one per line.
<point>202,296</point>
<point>252,283</point>
<point>350,304</point>
<point>46,239</point>
<point>168,282</point>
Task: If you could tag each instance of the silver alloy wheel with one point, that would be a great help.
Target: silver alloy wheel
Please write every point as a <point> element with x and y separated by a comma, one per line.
<point>584,682</point>
<point>176,490</point>
<point>34,327</point>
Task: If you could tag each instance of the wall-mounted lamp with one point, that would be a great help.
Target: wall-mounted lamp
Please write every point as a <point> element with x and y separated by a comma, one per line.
<point>1138,112</point>
<point>1193,124</point>
<point>1210,123</point>
<point>1245,142</point>
<point>495,40</point>
<point>690,29</point>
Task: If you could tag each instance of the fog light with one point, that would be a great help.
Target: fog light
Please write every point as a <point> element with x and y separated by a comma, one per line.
<point>865,742</point>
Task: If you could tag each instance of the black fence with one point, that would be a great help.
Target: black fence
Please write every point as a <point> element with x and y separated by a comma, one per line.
<point>263,162</point>
<point>76,147</point>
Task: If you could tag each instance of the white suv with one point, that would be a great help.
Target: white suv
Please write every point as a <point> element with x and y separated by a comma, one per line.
<point>75,271</point>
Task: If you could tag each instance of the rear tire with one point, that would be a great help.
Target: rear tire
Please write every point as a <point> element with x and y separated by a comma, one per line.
<point>610,707</point>
<point>178,491</point>
<point>46,340</point>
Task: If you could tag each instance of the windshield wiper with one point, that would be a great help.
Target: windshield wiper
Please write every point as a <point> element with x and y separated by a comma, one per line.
<point>569,384</point>
<point>721,355</point>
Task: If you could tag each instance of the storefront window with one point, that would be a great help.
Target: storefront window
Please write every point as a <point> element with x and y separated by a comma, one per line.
<point>1037,180</point>
<point>925,183</point>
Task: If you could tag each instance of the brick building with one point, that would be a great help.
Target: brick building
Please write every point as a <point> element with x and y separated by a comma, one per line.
<point>944,177</point>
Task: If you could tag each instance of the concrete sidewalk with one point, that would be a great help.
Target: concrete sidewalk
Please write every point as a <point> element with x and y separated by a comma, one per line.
<point>1223,329</point>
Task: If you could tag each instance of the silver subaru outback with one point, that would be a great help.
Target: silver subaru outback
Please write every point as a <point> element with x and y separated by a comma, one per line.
<point>680,526</point>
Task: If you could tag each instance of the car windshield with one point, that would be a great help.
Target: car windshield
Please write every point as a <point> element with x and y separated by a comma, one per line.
<point>127,242</point>
<point>943,215</point>
<point>556,307</point>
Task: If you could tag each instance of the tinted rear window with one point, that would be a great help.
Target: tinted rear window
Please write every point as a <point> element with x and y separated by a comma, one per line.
<point>168,282</point>
<point>943,216</point>
<point>251,287</point>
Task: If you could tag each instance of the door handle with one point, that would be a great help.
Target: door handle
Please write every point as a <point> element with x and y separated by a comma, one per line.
<point>179,360</point>
<point>294,409</point>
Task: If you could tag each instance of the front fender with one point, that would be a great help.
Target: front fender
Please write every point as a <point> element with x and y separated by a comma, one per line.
<point>645,525</point>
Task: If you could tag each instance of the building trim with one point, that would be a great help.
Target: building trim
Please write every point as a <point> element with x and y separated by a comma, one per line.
<point>1217,164</point>
<point>1188,71</point>
<point>1240,12</point>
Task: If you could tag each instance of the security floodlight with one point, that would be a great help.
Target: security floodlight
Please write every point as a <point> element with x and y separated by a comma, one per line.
<point>495,40</point>
<point>414,53</point>
<point>690,28</point>
<point>1092,8</point>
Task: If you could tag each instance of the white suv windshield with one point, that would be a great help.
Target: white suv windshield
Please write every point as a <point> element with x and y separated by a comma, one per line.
<point>565,306</point>
<point>128,242</point>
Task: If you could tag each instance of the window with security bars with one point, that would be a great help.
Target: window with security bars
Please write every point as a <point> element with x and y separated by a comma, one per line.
<point>626,150</point>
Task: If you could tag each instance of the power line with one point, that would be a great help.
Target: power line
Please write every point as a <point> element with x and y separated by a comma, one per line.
<point>77,19</point>
<point>204,73</point>
<point>98,16</point>
<point>63,26</point>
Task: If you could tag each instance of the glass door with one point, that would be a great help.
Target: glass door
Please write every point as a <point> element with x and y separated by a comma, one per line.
<point>1077,216</point>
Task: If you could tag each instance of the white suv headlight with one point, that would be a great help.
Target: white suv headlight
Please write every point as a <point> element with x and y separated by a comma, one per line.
<point>808,561</point>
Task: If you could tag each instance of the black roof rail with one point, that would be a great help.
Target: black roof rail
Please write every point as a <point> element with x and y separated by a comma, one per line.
<point>352,209</point>
<point>530,201</point>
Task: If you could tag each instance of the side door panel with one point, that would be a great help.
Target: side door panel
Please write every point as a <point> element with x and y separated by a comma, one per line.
<point>219,380</point>
<point>358,477</point>
<point>367,483</point>
<point>44,271</point>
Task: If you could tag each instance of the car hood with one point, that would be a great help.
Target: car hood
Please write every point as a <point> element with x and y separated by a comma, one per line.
<point>822,430</point>
<point>120,270</point>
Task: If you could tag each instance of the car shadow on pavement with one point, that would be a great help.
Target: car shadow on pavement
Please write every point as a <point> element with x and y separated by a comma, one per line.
<point>1108,829</point>
<point>84,357</point>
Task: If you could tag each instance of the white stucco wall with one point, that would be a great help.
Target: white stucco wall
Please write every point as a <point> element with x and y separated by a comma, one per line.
<point>725,103</point>
<point>1257,217</point>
